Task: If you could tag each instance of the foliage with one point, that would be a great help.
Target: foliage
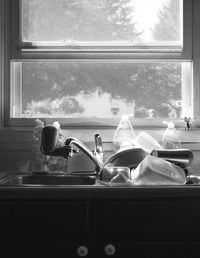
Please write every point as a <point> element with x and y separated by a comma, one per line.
<point>57,107</point>
<point>78,20</point>
<point>51,87</point>
<point>168,26</point>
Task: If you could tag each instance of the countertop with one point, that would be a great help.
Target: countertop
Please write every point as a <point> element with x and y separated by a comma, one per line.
<point>99,192</point>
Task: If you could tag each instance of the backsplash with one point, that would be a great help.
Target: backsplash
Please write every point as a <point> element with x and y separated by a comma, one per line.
<point>16,147</point>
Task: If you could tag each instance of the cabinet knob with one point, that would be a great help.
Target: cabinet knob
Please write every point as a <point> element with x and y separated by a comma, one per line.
<point>82,250</point>
<point>109,249</point>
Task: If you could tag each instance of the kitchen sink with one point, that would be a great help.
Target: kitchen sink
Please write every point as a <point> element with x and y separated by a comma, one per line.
<point>49,179</point>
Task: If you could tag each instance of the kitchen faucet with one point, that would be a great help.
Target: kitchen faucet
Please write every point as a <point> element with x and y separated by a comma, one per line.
<point>95,158</point>
<point>49,147</point>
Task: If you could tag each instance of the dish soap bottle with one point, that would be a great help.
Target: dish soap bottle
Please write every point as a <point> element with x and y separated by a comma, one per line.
<point>124,134</point>
<point>170,139</point>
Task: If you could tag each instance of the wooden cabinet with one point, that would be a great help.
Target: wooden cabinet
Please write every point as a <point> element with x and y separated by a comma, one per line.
<point>43,226</point>
<point>100,227</point>
<point>158,227</point>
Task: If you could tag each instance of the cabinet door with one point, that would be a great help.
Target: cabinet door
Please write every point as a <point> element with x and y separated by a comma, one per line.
<point>44,225</point>
<point>150,219</point>
<point>148,226</point>
<point>145,249</point>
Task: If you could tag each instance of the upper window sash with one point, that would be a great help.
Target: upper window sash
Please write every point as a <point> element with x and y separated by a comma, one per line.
<point>101,49</point>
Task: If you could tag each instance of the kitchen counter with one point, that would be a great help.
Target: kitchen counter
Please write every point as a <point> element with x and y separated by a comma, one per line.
<point>99,192</point>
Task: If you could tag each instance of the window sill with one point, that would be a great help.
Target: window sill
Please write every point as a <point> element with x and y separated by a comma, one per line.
<point>23,136</point>
<point>105,123</point>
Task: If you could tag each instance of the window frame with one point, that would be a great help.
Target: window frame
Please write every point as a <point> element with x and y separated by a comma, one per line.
<point>16,51</point>
<point>23,51</point>
<point>16,95</point>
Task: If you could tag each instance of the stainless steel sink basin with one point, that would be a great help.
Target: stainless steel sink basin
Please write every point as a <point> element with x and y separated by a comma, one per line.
<point>31,179</point>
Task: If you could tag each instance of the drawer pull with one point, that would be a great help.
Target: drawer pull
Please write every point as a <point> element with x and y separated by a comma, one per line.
<point>82,250</point>
<point>109,249</point>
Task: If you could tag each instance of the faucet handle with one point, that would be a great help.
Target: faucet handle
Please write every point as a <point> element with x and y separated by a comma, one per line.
<point>98,151</point>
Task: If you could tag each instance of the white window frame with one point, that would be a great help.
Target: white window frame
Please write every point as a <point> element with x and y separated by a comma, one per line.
<point>127,50</point>
<point>13,49</point>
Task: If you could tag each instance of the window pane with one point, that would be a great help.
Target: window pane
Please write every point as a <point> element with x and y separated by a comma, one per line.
<point>101,89</point>
<point>73,21</point>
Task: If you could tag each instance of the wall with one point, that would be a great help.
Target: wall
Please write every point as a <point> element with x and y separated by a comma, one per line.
<point>16,146</point>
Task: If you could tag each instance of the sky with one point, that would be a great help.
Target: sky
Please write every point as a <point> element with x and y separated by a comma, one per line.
<point>146,14</point>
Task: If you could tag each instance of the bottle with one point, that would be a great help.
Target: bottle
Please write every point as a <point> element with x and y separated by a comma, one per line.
<point>170,139</point>
<point>124,134</point>
<point>37,131</point>
<point>38,162</point>
<point>58,164</point>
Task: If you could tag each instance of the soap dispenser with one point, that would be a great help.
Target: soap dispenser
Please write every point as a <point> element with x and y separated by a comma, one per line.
<point>124,134</point>
<point>170,139</point>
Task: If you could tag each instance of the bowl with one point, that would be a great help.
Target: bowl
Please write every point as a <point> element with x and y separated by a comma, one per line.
<point>127,157</point>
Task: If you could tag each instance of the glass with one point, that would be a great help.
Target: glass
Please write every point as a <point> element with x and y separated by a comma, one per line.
<point>73,21</point>
<point>120,174</point>
<point>89,89</point>
<point>115,174</point>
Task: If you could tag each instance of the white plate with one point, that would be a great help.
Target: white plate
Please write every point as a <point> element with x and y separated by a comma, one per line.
<point>128,184</point>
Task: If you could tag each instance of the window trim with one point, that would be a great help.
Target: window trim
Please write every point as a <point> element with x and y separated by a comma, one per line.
<point>14,52</point>
<point>1,62</point>
<point>196,59</point>
<point>5,41</point>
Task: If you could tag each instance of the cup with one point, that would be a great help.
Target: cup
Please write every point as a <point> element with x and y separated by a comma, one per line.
<point>122,171</point>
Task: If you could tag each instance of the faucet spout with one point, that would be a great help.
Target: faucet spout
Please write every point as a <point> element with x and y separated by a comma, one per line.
<point>95,159</point>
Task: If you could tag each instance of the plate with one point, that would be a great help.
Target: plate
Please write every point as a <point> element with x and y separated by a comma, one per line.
<point>127,184</point>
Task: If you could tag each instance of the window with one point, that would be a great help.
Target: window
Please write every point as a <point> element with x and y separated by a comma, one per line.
<point>102,23</point>
<point>80,60</point>
<point>98,89</point>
